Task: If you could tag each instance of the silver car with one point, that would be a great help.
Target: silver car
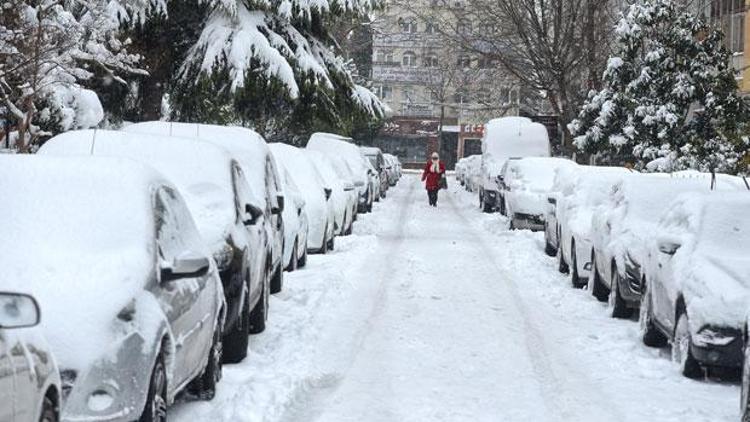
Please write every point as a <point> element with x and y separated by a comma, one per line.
<point>134,307</point>
<point>29,381</point>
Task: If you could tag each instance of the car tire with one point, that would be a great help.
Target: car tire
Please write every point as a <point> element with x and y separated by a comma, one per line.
<point>332,243</point>
<point>745,396</point>
<point>156,400</point>
<point>259,314</point>
<point>236,341</point>
<point>486,208</point>
<point>617,304</point>
<point>575,278</point>
<point>302,262</point>
<point>277,281</point>
<point>548,248</point>
<point>598,290</point>
<point>49,411</point>
<point>650,335</point>
<point>681,352</point>
<point>294,261</point>
<point>562,266</point>
<point>204,387</point>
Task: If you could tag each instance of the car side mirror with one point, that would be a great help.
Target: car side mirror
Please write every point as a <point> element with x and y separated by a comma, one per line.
<point>18,311</point>
<point>279,208</point>
<point>186,265</point>
<point>252,214</point>
<point>327,192</point>
<point>668,247</point>
<point>552,201</point>
<point>348,186</point>
<point>370,172</point>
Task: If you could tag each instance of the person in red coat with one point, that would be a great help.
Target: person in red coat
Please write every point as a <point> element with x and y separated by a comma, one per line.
<point>431,175</point>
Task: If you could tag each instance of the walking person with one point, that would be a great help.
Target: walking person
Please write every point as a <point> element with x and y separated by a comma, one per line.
<point>433,172</point>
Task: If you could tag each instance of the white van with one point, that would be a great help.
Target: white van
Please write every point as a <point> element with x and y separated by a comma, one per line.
<point>504,138</point>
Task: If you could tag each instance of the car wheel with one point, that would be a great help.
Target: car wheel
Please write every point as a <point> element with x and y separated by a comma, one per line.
<point>575,278</point>
<point>619,308</point>
<point>598,290</point>
<point>204,387</point>
<point>236,341</point>
<point>681,352</point>
<point>513,224</point>
<point>486,208</point>
<point>650,335</point>
<point>332,243</point>
<point>259,315</point>
<point>562,266</point>
<point>292,266</point>
<point>303,259</point>
<point>745,396</point>
<point>49,411</point>
<point>156,401</point>
<point>548,248</point>
<point>277,282</point>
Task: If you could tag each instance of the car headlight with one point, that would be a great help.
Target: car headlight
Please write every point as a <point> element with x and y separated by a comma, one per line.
<point>715,336</point>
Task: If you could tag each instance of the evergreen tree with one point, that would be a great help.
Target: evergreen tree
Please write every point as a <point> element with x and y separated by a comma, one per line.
<point>669,99</point>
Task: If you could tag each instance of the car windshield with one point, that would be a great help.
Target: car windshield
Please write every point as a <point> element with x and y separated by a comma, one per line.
<point>724,231</point>
<point>373,160</point>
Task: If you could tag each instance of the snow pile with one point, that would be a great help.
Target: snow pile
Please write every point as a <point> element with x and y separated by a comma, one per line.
<point>77,234</point>
<point>201,171</point>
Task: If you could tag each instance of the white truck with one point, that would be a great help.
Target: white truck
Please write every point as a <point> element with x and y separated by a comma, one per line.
<point>505,138</point>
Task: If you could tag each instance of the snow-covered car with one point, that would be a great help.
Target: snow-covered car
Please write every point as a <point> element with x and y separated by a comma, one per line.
<point>393,168</point>
<point>698,281</point>
<point>251,152</point>
<point>319,210</point>
<point>373,177</point>
<point>29,380</point>
<point>133,302</point>
<point>295,223</point>
<point>343,197</point>
<point>473,166</point>
<point>505,138</point>
<point>525,184</point>
<point>375,155</point>
<point>621,229</point>
<point>342,148</point>
<point>576,194</point>
<point>218,197</point>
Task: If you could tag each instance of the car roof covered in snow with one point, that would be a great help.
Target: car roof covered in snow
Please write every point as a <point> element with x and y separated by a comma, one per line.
<point>508,137</point>
<point>300,166</point>
<point>200,170</point>
<point>245,145</point>
<point>339,146</point>
<point>371,150</point>
<point>77,234</point>
<point>538,172</point>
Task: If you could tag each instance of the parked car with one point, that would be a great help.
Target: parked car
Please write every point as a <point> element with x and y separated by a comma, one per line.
<point>295,223</point>
<point>375,155</point>
<point>133,302</point>
<point>621,230</point>
<point>320,213</point>
<point>697,286</point>
<point>392,168</point>
<point>576,195</point>
<point>472,178</point>
<point>373,177</point>
<point>343,197</point>
<point>524,186</point>
<point>29,380</point>
<point>218,197</point>
<point>251,152</point>
<point>504,138</point>
<point>341,148</point>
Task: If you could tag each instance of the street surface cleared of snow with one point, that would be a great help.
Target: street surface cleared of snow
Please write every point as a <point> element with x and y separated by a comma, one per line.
<point>443,314</point>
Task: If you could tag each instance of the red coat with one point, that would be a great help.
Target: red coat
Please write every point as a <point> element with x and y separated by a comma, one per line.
<point>432,178</point>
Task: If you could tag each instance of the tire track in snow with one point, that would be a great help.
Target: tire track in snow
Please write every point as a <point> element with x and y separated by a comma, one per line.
<point>570,404</point>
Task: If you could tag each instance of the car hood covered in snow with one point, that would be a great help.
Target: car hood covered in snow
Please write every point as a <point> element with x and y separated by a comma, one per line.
<point>77,235</point>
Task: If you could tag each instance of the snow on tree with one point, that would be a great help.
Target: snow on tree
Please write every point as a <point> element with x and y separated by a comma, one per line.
<point>47,48</point>
<point>669,99</point>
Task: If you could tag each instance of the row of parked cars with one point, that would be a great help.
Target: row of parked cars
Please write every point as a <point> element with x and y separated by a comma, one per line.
<point>151,253</point>
<point>669,250</point>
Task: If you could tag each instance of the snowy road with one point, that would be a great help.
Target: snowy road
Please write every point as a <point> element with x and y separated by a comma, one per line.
<point>443,315</point>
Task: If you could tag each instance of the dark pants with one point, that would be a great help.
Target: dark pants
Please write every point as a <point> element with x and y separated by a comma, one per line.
<point>432,195</point>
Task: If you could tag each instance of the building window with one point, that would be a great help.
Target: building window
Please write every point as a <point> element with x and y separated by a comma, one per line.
<point>464,62</point>
<point>384,92</point>
<point>430,61</point>
<point>384,56</point>
<point>485,63</point>
<point>430,28</point>
<point>729,16</point>
<point>408,25</point>
<point>409,59</point>
<point>464,27</point>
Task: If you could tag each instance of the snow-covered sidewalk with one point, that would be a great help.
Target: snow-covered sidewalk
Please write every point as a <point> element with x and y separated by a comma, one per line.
<point>443,315</point>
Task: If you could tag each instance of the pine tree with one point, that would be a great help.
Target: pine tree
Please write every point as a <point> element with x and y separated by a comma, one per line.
<point>669,100</point>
